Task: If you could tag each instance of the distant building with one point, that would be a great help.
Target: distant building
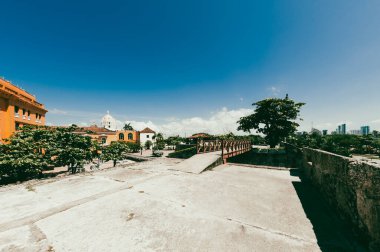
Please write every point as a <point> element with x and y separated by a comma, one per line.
<point>18,108</point>
<point>324,132</point>
<point>199,135</point>
<point>106,136</point>
<point>147,134</point>
<point>341,130</point>
<point>108,122</point>
<point>364,130</point>
<point>355,132</point>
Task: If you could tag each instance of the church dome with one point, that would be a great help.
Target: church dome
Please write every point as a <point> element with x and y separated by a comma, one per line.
<point>108,122</point>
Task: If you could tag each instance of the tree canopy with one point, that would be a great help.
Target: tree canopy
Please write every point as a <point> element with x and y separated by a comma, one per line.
<point>115,151</point>
<point>31,150</point>
<point>274,117</point>
<point>128,126</point>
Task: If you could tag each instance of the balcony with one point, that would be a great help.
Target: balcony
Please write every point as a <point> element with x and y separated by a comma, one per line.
<point>17,115</point>
<point>24,117</point>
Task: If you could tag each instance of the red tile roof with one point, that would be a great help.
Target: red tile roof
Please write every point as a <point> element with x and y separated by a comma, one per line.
<point>147,130</point>
<point>199,135</point>
<point>95,129</point>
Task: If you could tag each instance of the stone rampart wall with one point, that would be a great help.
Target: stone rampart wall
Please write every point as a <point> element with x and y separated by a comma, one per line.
<point>352,187</point>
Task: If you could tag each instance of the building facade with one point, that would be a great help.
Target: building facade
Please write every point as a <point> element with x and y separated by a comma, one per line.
<point>147,134</point>
<point>341,130</point>
<point>108,122</point>
<point>18,108</point>
<point>355,132</point>
<point>106,136</point>
<point>365,130</point>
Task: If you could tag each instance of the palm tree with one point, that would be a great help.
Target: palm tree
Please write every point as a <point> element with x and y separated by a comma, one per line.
<point>128,126</point>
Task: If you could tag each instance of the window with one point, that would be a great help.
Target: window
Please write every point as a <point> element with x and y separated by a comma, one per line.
<point>16,111</point>
<point>147,136</point>
<point>130,136</point>
<point>104,140</point>
<point>121,136</point>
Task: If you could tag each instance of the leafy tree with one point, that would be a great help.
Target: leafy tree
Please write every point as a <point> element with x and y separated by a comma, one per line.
<point>128,126</point>
<point>115,151</point>
<point>229,136</point>
<point>25,155</point>
<point>376,133</point>
<point>148,144</point>
<point>133,147</point>
<point>174,140</point>
<point>345,145</point>
<point>71,149</point>
<point>160,142</point>
<point>273,117</point>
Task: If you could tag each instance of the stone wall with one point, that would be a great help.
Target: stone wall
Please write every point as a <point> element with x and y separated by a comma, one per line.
<point>352,187</point>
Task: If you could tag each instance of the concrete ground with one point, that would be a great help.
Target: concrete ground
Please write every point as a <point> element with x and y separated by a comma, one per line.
<point>151,207</point>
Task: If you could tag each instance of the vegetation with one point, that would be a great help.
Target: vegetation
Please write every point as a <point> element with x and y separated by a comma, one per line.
<point>160,142</point>
<point>133,147</point>
<point>345,145</point>
<point>33,150</point>
<point>273,117</point>
<point>128,126</point>
<point>148,144</point>
<point>185,153</point>
<point>174,140</point>
<point>115,152</point>
<point>70,149</point>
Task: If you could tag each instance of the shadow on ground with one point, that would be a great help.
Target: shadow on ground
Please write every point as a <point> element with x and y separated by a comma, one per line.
<point>332,233</point>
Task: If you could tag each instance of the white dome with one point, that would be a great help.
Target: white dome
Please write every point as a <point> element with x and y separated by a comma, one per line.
<point>108,122</point>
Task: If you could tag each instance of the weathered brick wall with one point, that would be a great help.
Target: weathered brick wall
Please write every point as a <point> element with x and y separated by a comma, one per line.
<point>350,186</point>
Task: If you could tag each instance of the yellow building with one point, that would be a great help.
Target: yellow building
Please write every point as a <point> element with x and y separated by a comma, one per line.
<point>106,136</point>
<point>18,108</point>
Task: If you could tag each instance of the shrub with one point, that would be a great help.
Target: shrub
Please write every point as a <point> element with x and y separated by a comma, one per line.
<point>185,153</point>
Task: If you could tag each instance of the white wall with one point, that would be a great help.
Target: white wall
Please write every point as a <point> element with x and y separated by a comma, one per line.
<point>145,137</point>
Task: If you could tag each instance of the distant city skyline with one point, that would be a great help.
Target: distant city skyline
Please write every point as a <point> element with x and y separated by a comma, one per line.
<point>187,67</point>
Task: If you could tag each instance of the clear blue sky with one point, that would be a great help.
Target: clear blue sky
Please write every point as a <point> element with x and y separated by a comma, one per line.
<point>170,60</point>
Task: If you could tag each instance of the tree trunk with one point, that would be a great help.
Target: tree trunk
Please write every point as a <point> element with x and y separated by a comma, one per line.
<point>114,163</point>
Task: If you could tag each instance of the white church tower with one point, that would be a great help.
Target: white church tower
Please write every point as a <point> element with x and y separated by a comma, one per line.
<point>108,122</point>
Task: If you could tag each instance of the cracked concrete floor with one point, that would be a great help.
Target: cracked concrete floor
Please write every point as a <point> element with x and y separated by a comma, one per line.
<point>149,207</point>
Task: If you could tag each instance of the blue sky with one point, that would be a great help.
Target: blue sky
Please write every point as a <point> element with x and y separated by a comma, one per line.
<point>192,65</point>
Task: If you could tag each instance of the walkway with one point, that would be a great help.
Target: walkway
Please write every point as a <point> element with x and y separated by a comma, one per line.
<point>151,207</point>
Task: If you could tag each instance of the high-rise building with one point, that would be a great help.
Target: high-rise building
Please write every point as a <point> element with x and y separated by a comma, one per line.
<point>365,130</point>
<point>18,108</point>
<point>355,132</point>
<point>341,129</point>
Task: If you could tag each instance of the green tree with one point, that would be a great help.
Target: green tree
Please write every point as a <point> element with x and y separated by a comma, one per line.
<point>174,140</point>
<point>128,126</point>
<point>273,117</point>
<point>133,147</point>
<point>25,155</point>
<point>148,144</point>
<point>71,149</point>
<point>160,141</point>
<point>115,151</point>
